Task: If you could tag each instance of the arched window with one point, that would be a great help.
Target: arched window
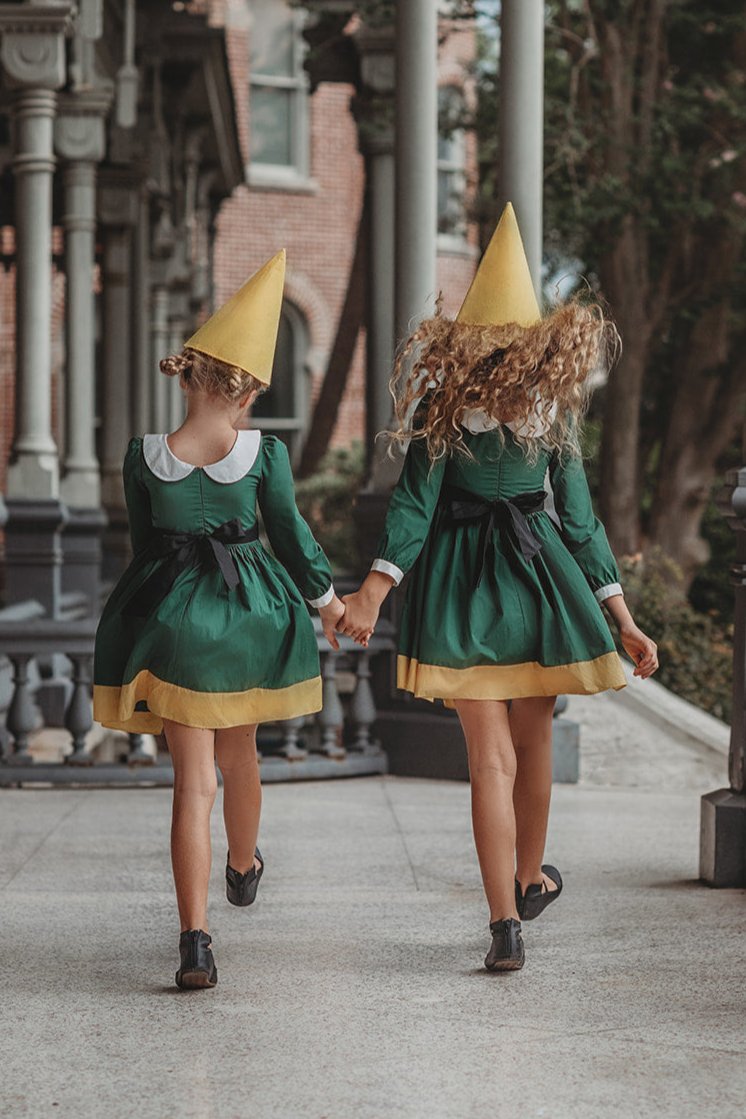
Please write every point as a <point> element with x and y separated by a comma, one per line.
<point>451,163</point>
<point>284,409</point>
<point>278,100</point>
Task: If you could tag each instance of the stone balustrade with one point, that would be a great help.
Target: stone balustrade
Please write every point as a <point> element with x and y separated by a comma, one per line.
<point>338,741</point>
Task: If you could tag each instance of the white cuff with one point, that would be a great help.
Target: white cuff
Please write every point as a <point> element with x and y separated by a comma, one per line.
<point>387,568</point>
<point>325,599</point>
<point>608,591</point>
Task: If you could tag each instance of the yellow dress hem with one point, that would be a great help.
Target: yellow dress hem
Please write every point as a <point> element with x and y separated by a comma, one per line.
<point>114,707</point>
<point>509,681</point>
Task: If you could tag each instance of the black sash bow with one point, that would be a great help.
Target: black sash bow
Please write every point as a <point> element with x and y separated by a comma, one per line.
<point>190,549</point>
<point>464,507</point>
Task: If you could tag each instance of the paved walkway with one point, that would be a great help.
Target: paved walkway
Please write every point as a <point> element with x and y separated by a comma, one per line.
<point>353,989</point>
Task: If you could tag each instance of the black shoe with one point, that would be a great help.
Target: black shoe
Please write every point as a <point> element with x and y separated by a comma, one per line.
<point>537,897</point>
<point>197,965</point>
<point>506,951</point>
<point>240,889</point>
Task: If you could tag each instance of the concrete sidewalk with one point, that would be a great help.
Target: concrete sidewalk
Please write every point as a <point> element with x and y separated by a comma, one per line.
<point>354,989</point>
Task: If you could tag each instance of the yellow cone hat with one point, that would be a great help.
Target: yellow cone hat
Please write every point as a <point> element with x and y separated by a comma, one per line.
<point>243,331</point>
<point>502,291</point>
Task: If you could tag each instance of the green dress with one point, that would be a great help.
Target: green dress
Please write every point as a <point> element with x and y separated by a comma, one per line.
<point>502,602</point>
<point>206,626</point>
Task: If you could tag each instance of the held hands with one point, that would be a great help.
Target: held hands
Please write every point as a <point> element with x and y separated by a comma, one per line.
<point>335,618</point>
<point>360,618</point>
<point>363,607</point>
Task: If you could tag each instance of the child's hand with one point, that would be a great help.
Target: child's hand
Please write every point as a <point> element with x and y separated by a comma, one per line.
<point>641,648</point>
<point>331,615</point>
<point>361,615</point>
<point>637,645</point>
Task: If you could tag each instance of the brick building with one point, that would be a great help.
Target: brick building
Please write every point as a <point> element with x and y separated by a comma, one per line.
<point>305,190</point>
<point>305,186</point>
<point>153,155</point>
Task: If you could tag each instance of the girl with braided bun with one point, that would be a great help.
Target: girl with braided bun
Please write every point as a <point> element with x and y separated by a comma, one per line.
<point>207,634</point>
<point>504,604</point>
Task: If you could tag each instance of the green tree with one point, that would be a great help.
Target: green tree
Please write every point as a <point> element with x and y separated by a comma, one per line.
<point>645,183</point>
<point>645,186</point>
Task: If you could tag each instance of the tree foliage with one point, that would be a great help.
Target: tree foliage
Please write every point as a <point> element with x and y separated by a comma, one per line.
<point>645,185</point>
<point>645,192</point>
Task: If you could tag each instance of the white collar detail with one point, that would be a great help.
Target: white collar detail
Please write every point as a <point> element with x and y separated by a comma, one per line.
<point>477,421</point>
<point>161,460</point>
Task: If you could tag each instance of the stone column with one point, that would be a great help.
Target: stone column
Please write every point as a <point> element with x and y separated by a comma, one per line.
<point>178,271</point>
<point>178,324</point>
<point>522,122</point>
<point>205,215</point>
<point>521,181</point>
<point>32,53</point>
<point>374,112</point>
<point>160,339</point>
<point>143,369</point>
<point>416,160</point>
<point>723,812</point>
<point>118,211</point>
<point>80,141</point>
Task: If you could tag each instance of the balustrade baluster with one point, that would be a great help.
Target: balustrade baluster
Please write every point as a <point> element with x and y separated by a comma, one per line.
<point>79,715</point>
<point>290,748</point>
<point>331,717</point>
<point>22,713</point>
<point>363,708</point>
<point>137,755</point>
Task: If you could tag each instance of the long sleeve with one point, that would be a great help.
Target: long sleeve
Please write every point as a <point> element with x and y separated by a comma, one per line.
<point>137,497</point>
<point>410,512</point>
<point>291,539</point>
<point>582,532</point>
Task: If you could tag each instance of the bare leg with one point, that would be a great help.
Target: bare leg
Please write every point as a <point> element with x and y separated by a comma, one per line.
<point>531,728</point>
<point>195,784</point>
<point>492,769</point>
<point>235,750</point>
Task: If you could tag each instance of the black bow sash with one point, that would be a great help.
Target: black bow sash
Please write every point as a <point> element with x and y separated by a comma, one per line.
<point>190,549</point>
<point>464,507</point>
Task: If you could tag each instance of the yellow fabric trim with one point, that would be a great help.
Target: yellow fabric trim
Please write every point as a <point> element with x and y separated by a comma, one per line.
<point>510,681</point>
<point>115,707</point>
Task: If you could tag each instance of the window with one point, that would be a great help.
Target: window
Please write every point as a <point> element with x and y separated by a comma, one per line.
<point>278,106</point>
<point>284,409</point>
<point>451,164</point>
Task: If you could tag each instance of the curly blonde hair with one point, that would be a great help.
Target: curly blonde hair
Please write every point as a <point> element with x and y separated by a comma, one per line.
<point>447,368</point>
<point>208,374</point>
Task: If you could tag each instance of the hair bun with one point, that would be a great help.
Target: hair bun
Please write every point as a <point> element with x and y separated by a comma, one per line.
<point>176,364</point>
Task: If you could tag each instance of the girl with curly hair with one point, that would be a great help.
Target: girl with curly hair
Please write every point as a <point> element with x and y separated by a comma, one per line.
<point>206,633</point>
<point>503,609</point>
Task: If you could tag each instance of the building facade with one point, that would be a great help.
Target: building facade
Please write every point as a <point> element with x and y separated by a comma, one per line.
<point>152,156</point>
<point>306,155</point>
<point>186,143</point>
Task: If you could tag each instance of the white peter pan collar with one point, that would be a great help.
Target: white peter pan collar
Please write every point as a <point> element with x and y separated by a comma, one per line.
<point>477,421</point>
<point>237,463</point>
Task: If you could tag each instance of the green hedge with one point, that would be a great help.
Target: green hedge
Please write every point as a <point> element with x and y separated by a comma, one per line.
<point>327,499</point>
<point>695,649</point>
